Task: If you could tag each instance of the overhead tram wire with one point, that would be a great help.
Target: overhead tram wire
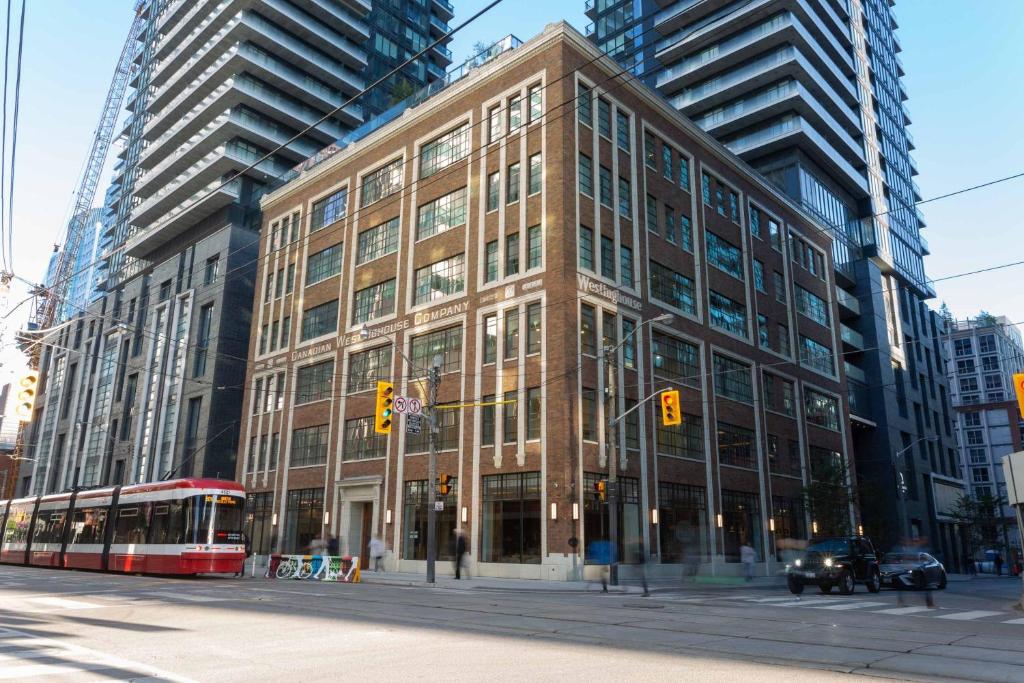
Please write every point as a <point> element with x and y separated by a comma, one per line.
<point>14,140</point>
<point>3,137</point>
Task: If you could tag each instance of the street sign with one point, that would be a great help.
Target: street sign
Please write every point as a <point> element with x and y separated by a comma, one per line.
<point>399,405</point>
<point>408,405</point>
<point>415,406</point>
<point>438,506</point>
<point>413,424</point>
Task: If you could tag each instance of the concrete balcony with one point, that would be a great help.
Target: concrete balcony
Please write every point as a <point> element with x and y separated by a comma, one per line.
<point>196,66</point>
<point>348,18</point>
<point>849,305</point>
<point>925,248</point>
<point>438,27</point>
<point>317,34</point>
<point>204,203</point>
<point>181,45</point>
<point>444,9</point>
<point>852,339</point>
<point>855,373</point>
<point>679,14</point>
<point>171,14</point>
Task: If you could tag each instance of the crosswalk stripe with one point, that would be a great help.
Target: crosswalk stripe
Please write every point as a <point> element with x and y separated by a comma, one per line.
<point>770,599</point>
<point>849,605</point>
<point>63,603</point>
<point>1015,621</point>
<point>905,610</point>
<point>967,616</point>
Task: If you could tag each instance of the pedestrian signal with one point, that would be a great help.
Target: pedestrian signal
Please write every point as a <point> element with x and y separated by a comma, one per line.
<point>385,397</point>
<point>600,487</point>
<point>670,414</point>
<point>443,484</point>
<point>27,388</point>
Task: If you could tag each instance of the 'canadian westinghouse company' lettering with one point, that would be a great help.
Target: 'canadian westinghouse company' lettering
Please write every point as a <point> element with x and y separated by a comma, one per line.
<point>585,284</point>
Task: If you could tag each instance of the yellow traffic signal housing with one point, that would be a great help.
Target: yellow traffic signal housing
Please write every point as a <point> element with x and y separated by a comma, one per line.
<point>28,386</point>
<point>601,489</point>
<point>442,484</point>
<point>385,397</point>
<point>670,413</point>
<point>1018,386</point>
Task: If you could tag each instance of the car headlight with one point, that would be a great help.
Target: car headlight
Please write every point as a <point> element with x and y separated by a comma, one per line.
<point>798,562</point>
<point>829,562</point>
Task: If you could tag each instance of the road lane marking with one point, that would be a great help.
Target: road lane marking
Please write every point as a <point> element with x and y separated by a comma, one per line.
<point>168,595</point>
<point>967,616</point>
<point>850,605</point>
<point>62,603</point>
<point>1015,621</point>
<point>905,610</point>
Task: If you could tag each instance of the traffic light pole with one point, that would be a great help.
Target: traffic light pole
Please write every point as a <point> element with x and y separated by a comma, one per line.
<point>613,468</point>
<point>433,380</point>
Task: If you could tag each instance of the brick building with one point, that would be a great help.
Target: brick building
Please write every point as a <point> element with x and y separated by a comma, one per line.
<point>517,234</point>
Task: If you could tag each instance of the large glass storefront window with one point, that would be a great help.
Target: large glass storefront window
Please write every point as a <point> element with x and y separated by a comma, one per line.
<point>511,518</point>
<point>683,523</point>
<point>303,520</point>
<point>595,517</point>
<point>414,521</point>
<point>790,526</point>
<point>259,516</point>
<point>741,524</point>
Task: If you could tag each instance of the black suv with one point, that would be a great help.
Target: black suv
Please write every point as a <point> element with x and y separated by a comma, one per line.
<point>841,562</point>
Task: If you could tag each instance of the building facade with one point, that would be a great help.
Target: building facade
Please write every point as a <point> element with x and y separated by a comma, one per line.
<point>226,98</point>
<point>987,351</point>
<point>809,92</point>
<point>517,235</point>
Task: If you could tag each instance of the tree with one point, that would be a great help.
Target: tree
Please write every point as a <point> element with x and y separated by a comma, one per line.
<point>946,314</point>
<point>403,89</point>
<point>828,496</point>
<point>978,521</point>
<point>986,319</point>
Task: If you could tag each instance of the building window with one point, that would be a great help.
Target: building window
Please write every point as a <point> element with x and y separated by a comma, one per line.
<point>490,339</point>
<point>512,191</point>
<point>441,214</point>
<point>323,264</point>
<point>533,328</point>
<point>212,270</point>
<point>319,320</point>
<point>447,436</point>
<point>314,382</point>
<point>451,147</point>
<point>515,113</point>
<point>625,198</point>
<point>447,342</point>
<point>511,334</point>
<point>586,248</point>
<point>487,421</point>
<point>622,130</point>
<point>366,368</point>
<point>510,418</point>
<point>584,105</point>
<point>493,124</point>
<point>362,442</point>
<point>588,330</point>
<point>734,207</point>
<point>683,524</point>
<point>736,446</point>
<point>534,247</point>
<point>511,518</point>
<point>666,162</point>
<point>493,191</point>
<point>309,446</point>
<point>536,103</point>
<point>705,188</point>
<point>604,118</point>
<point>328,210</point>
<point>670,224</point>
<point>626,266</point>
<point>381,183</point>
<point>652,214</point>
<point>374,301</point>
<point>605,179</point>
<point>816,356</point>
<point>682,441</point>
<point>762,332</point>
<point>732,379</point>
<point>812,306</point>
<point>724,255</point>
<point>759,284</point>
<point>203,340</point>
<point>675,359</point>
<point>821,410</point>
<point>377,241</point>
<point>727,314</point>
<point>650,156</point>
<point>629,344</point>
<point>440,279</point>
<point>303,519</point>
<point>536,174</point>
<point>512,254</point>
<point>586,175</point>
<point>741,522</point>
<point>491,261</point>
<point>987,343</point>
<point>533,413</point>
<point>755,222</point>
<point>607,257</point>
<point>672,288</point>
<point>417,497</point>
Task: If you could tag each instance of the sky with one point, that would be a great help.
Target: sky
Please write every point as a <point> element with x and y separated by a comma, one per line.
<point>965,99</point>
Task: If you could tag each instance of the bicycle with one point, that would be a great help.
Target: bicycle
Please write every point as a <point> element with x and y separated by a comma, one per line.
<point>295,567</point>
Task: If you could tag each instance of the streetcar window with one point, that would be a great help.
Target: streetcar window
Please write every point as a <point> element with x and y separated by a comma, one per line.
<point>88,525</point>
<point>49,527</point>
<point>132,521</point>
<point>18,519</point>
<point>168,523</point>
<point>215,519</point>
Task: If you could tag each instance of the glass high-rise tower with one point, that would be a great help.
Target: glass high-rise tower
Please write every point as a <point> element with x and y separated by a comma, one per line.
<point>809,93</point>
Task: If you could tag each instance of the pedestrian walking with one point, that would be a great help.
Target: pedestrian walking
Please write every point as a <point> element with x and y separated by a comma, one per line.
<point>332,546</point>
<point>601,554</point>
<point>747,557</point>
<point>969,567</point>
<point>998,562</point>
<point>461,551</point>
<point>318,546</point>
<point>377,549</point>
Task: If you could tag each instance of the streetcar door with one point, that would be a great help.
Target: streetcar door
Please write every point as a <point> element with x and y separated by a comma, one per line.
<point>108,531</point>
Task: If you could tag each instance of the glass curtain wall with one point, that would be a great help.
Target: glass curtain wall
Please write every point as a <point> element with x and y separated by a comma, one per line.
<point>414,521</point>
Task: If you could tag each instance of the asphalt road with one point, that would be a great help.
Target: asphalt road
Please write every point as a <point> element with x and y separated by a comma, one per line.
<point>76,626</point>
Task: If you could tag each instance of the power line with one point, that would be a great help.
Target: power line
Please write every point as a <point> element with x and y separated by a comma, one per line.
<point>14,140</point>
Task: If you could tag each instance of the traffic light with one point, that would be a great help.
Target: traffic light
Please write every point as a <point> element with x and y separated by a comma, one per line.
<point>1018,386</point>
<point>442,484</point>
<point>27,387</point>
<point>670,414</point>
<point>385,397</point>
<point>600,487</point>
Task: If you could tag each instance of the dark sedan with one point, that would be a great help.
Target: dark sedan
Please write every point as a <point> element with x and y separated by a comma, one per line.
<point>912,570</point>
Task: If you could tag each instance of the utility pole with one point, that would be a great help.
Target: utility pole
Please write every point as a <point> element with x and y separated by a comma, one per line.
<point>613,469</point>
<point>433,380</point>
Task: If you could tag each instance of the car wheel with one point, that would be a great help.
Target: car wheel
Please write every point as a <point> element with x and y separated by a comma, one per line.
<point>825,587</point>
<point>942,581</point>
<point>846,583</point>
<point>874,582</point>
<point>795,587</point>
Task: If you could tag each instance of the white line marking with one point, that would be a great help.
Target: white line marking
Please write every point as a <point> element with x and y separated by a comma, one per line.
<point>61,603</point>
<point>1015,621</point>
<point>770,599</point>
<point>905,610</point>
<point>850,605</point>
<point>967,616</point>
<point>167,595</point>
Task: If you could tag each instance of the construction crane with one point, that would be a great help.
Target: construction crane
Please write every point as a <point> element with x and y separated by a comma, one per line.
<point>49,296</point>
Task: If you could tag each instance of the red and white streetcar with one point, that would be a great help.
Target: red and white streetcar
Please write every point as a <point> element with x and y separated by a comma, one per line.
<point>184,526</point>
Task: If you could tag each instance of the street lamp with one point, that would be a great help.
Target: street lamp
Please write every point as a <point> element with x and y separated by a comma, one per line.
<point>901,483</point>
<point>433,380</point>
<point>608,356</point>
